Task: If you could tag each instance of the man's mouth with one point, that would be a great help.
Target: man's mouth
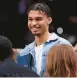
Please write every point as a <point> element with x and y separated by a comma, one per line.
<point>35,29</point>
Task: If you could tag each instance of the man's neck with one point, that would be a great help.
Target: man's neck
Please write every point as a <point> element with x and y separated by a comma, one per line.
<point>42,38</point>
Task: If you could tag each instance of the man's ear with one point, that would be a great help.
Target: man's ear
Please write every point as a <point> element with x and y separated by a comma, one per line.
<point>49,20</point>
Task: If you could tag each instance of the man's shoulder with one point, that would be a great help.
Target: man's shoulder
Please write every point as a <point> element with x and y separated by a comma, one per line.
<point>16,71</point>
<point>63,41</point>
<point>27,49</point>
<point>59,39</point>
<point>31,44</point>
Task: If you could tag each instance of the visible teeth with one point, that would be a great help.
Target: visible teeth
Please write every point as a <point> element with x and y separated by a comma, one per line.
<point>35,28</point>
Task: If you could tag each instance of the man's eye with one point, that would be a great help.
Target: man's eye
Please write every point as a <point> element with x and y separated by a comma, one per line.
<point>38,19</point>
<point>30,19</point>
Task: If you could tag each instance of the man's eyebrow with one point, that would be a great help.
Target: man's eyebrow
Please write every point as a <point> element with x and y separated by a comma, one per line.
<point>39,17</point>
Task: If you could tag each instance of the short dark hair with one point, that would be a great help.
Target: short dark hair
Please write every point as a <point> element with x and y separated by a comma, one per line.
<point>5,48</point>
<point>41,7</point>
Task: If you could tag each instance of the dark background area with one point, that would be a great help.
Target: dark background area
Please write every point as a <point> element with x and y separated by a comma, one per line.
<point>13,24</point>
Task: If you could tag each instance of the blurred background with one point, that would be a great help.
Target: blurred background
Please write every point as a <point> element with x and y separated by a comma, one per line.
<point>13,20</point>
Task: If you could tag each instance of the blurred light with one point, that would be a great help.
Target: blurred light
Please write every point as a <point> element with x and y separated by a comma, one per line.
<point>72,39</point>
<point>59,30</point>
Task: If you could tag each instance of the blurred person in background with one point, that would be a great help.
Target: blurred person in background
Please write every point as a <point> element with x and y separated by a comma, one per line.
<point>8,66</point>
<point>61,61</point>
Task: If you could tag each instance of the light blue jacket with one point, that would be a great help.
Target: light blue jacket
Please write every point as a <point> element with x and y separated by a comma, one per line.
<point>27,56</point>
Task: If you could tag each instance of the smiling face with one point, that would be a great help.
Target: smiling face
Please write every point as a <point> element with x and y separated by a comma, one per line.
<point>38,22</point>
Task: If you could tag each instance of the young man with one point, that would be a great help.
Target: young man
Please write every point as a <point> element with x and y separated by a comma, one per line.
<point>8,66</point>
<point>34,54</point>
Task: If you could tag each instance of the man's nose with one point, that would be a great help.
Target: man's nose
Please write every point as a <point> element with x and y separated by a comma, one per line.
<point>34,23</point>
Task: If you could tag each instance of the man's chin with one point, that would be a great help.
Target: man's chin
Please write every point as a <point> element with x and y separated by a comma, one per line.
<point>36,34</point>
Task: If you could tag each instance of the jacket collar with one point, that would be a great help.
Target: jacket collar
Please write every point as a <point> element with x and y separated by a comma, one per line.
<point>53,37</point>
